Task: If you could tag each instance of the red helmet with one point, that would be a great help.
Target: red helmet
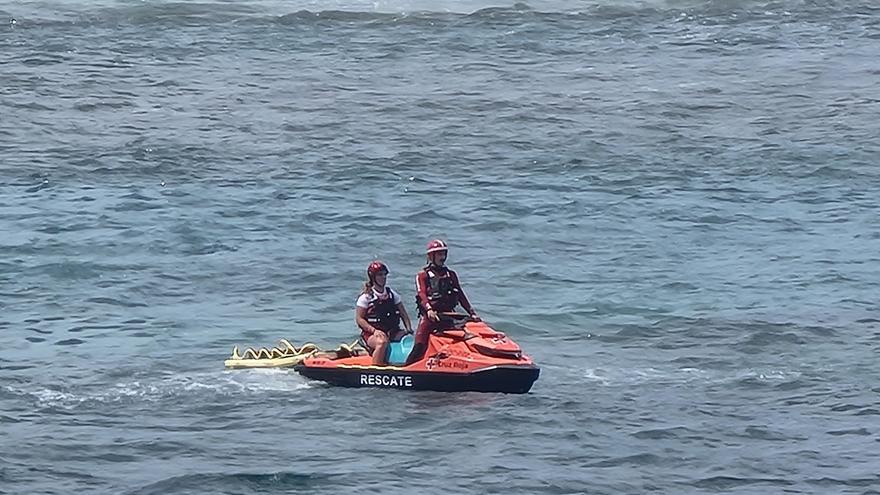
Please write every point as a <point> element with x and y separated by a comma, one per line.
<point>437,245</point>
<point>376,267</point>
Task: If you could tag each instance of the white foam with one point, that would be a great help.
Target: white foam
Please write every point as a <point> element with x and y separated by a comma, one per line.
<point>634,376</point>
<point>250,383</point>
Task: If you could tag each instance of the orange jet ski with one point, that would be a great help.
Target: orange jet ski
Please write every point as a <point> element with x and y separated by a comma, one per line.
<point>467,356</point>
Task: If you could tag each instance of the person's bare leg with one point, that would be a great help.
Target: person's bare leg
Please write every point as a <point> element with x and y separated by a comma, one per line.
<point>379,342</point>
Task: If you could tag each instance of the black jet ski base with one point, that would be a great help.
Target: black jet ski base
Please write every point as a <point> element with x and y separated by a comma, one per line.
<point>502,378</point>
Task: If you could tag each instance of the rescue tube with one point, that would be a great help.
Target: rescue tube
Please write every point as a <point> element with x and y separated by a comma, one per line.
<point>286,355</point>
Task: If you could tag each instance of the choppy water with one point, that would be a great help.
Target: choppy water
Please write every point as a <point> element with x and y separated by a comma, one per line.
<point>673,206</point>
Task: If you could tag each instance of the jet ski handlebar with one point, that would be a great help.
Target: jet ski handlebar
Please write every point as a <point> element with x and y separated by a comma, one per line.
<point>451,315</point>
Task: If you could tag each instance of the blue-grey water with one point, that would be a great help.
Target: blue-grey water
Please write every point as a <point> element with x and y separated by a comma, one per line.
<point>671,204</point>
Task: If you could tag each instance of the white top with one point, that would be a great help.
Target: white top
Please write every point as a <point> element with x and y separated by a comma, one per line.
<point>364,300</point>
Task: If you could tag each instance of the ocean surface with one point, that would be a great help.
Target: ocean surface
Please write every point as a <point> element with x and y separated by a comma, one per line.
<point>671,205</point>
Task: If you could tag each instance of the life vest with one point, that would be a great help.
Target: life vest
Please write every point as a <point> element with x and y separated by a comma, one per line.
<point>383,314</point>
<point>441,289</point>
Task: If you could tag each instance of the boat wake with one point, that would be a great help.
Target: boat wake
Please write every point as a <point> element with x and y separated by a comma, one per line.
<point>170,389</point>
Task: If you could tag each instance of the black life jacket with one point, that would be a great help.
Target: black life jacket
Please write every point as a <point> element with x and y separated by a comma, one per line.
<point>441,289</point>
<point>383,314</point>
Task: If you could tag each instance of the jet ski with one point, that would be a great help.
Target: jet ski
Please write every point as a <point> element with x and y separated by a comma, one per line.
<point>466,356</point>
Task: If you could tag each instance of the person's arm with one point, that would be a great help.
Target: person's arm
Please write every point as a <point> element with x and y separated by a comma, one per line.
<point>422,294</point>
<point>360,317</point>
<point>405,317</point>
<point>422,289</point>
<point>462,298</point>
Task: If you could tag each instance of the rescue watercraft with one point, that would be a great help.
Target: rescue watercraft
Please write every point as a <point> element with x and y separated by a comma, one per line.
<point>466,356</point>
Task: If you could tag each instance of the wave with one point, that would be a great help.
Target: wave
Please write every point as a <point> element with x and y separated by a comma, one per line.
<point>234,483</point>
<point>177,13</point>
<point>169,389</point>
<point>748,378</point>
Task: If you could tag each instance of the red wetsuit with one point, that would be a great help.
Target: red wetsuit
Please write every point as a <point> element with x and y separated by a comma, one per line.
<point>437,289</point>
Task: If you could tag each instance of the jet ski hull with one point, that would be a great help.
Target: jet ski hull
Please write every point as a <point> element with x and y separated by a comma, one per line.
<point>471,357</point>
<point>511,379</point>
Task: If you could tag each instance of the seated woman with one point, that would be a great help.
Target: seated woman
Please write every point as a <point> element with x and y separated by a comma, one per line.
<point>378,314</point>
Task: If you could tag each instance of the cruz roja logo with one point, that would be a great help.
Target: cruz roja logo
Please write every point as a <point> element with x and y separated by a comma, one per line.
<point>386,380</point>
